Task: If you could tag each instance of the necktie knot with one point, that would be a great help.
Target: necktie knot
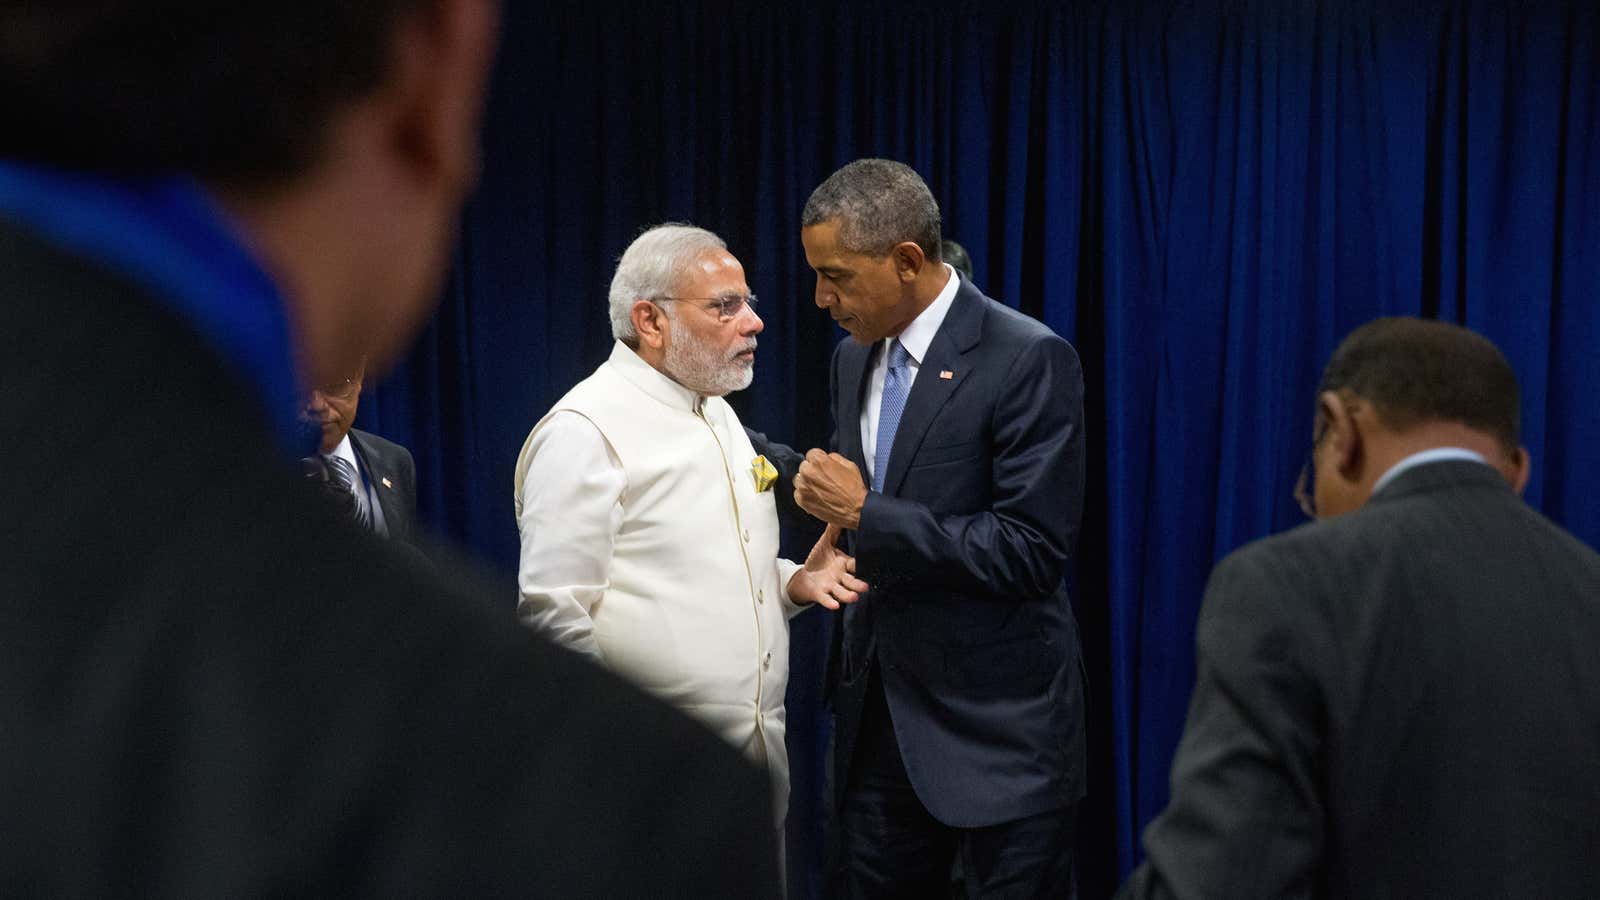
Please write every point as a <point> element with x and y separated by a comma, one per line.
<point>899,356</point>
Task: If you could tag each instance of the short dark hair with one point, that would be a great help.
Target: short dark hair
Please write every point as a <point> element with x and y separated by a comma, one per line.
<point>879,203</point>
<point>239,93</point>
<point>956,255</point>
<point>1414,371</point>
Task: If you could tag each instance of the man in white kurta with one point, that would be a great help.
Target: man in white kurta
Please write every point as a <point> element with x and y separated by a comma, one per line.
<point>649,536</point>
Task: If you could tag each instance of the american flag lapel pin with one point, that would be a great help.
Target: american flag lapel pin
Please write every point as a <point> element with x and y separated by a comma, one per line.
<point>387,483</point>
<point>946,374</point>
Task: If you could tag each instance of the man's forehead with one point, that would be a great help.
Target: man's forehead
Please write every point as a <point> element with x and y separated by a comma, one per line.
<point>717,269</point>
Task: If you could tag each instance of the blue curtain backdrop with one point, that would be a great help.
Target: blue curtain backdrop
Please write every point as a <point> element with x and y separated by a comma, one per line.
<point>1202,197</point>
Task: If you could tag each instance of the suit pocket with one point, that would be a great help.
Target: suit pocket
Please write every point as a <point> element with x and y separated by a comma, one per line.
<point>1011,666</point>
<point>945,454</point>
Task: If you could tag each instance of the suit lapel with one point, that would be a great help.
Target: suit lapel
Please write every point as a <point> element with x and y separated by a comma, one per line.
<point>377,473</point>
<point>937,379</point>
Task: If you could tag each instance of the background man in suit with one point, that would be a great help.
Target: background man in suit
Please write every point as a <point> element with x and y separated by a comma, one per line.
<point>377,475</point>
<point>203,210</point>
<point>1403,698</point>
<point>956,681</point>
<point>957,257</point>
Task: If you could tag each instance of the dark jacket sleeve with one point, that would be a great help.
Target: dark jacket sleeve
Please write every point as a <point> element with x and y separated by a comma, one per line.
<point>1245,816</point>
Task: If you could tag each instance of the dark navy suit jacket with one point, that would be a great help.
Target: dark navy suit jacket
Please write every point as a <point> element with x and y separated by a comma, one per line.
<point>392,475</point>
<point>966,550</point>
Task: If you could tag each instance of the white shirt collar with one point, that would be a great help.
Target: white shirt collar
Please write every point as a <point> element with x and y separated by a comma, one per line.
<point>653,382</point>
<point>345,452</point>
<point>918,336</point>
<point>1437,454</point>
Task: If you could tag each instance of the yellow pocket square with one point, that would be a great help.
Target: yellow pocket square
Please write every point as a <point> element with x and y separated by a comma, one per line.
<point>766,476</point>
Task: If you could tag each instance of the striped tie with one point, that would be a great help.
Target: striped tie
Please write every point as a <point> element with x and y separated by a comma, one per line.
<point>896,386</point>
<point>345,474</point>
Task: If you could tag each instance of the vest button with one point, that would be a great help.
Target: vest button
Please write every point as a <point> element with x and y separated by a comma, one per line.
<point>747,535</point>
<point>761,595</point>
<point>766,662</point>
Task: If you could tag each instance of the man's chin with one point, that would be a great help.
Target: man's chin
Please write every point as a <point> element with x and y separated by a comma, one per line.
<point>857,333</point>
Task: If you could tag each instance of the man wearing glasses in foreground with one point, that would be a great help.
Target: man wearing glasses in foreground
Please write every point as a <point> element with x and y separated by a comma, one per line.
<point>1401,699</point>
<point>649,531</point>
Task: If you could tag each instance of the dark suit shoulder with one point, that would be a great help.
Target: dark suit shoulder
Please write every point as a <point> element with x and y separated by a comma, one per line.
<point>379,445</point>
<point>1024,342</point>
<point>1003,321</point>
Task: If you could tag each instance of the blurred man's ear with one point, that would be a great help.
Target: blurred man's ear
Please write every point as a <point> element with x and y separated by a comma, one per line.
<point>442,57</point>
<point>1344,436</point>
<point>1517,468</point>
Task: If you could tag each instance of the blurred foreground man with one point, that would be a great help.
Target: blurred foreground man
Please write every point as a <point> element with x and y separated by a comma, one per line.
<point>649,529</point>
<point>204,210</point>
<point>1402,699</point>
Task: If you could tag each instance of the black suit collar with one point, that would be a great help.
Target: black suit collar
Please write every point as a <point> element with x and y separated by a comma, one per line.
<point>1444,474</point>
<point>941,372</point>
<point>380,477</point>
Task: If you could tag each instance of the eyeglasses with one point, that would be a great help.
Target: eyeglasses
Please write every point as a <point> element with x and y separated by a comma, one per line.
<point>1304,486</point>
<point>726,308</point>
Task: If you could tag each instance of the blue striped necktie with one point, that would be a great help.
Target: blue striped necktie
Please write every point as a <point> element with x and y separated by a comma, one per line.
<point>345,474</point>
<point>896,387</point>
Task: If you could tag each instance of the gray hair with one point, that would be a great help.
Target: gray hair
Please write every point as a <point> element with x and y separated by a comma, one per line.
<point>650,268</point>
<point>879,203</point>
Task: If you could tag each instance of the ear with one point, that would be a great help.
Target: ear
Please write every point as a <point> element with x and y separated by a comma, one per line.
<point>439,62</point>
<point>1344,435</point>
<point>650,323</point>
<point>1517,468</point>
<point>908,260</point>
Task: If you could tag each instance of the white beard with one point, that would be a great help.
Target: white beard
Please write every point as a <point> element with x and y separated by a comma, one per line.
<point>704,369</point>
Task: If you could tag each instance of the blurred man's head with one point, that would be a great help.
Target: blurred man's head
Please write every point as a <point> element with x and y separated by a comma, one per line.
<point>341,137</point>
<point>871,233</point>
<point>332,408</point>
<point>1398,386</point>
<point>679,299</point>
<point>957,256</point>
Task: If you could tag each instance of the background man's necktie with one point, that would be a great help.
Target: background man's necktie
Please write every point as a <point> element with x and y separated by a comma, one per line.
<point>345,474</point>
<point>896,386</point>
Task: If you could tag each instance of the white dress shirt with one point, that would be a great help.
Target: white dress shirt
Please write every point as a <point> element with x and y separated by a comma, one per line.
<point>916,338</point>
<point>363,484</point>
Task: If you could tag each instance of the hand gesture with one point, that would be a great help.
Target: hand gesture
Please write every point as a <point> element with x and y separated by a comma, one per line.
<point>828,577</point>
<point>829,487</point>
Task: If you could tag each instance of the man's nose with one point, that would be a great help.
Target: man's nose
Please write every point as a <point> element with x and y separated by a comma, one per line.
<point>751,324</point>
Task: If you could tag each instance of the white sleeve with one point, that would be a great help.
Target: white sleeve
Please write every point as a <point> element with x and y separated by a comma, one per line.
<point>571,509</point>
<point>786,570</point>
